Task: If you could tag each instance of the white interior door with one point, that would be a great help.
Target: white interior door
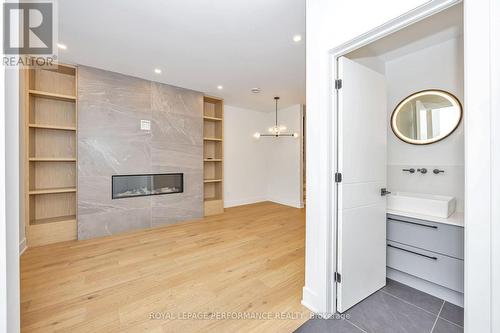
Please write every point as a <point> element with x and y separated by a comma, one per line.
<point>362,160</point>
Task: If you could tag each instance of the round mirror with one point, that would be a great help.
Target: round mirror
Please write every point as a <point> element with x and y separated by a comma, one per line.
<point>426,117</point>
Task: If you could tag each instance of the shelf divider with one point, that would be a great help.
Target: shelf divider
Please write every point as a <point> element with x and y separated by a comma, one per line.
<point>52,159</point>
<point>52,190</point>
<point>49,95</point>
<point>53,127</point>
<point>67,218</point>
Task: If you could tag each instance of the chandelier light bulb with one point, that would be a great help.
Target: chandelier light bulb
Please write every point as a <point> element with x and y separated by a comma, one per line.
<point>277,131</point>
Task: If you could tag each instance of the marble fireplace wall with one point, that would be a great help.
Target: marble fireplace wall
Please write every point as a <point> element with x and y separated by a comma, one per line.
<point>110,141</point>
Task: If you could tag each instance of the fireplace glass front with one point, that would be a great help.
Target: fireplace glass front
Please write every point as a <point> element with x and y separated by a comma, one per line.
<point>126,186</point>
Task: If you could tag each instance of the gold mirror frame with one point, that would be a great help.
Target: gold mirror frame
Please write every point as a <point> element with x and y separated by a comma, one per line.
<point>452,98</point>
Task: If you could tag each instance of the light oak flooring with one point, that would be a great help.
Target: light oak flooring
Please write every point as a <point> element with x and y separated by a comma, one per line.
<point>249,259</point>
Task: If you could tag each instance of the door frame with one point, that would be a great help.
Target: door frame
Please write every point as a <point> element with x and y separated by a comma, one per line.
<point>422,12</point>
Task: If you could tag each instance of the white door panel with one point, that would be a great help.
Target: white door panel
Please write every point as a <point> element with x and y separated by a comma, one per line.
<point>367,274</point>
<point>362,159</point>
<point>361,194</point>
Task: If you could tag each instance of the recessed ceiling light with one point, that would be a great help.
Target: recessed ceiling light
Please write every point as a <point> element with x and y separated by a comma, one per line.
<point>297,38</point>
<point>220,87</point>
<point>62,46</point>
<point>157,71</point>
<point>255,90</point>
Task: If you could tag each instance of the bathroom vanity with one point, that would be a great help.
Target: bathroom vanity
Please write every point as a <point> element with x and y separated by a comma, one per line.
<point>427,253</point>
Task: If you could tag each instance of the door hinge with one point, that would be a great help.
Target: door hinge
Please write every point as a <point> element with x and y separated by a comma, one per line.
<point>338,84</point>
<point>337,277</point>
<point>338,177</point>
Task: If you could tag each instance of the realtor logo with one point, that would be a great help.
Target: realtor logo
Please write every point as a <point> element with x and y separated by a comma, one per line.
<point>28,28</point>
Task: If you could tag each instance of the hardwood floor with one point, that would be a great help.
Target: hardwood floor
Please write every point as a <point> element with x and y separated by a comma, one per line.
<point>248,260</point>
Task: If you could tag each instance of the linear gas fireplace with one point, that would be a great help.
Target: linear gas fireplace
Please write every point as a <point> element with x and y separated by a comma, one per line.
<point>126,186</point>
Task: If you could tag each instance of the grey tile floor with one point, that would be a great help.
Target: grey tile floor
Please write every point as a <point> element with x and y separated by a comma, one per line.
<point>396,308</point>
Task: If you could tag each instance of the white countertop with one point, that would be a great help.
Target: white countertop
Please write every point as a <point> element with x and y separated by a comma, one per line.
<point>456,218</point>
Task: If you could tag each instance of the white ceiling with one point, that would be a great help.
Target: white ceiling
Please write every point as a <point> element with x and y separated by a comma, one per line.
<point>198,44</point>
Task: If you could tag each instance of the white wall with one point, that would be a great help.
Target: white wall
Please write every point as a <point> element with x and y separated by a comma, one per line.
<point>261,169</point>
<point>494,69</point>
<point>284,159</point>
<point>3,216</point>
<point>425,69</point>
<point>9,241</point>
<point>482,165</point>
<point>22,160</point>
<point>245,161</point>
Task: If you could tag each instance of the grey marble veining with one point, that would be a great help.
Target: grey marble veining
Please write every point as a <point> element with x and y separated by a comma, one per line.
<point>110,142</point>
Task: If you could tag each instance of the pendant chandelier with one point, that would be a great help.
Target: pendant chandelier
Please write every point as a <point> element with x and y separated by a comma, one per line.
<point>276,131</point>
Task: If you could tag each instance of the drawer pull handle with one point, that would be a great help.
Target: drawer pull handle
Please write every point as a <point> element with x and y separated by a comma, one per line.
<point>415,223</point>
<point>419,254</point>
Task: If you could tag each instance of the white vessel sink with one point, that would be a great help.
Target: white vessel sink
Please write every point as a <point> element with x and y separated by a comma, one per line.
<point>424,204</point>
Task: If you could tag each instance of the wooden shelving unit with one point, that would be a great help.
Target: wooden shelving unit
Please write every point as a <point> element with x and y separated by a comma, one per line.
<point>213,159</point>
<point>50,133</point>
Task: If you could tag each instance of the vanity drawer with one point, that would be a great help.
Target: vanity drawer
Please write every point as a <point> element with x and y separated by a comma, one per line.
<point>436,237</point>
<point>442,270</point>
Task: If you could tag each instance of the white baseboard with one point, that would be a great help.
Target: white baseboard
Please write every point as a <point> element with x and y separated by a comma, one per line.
<point>286,202</point>
<point>248,201</point>
<point>22,246</point>
<point>433,289</point>
<point>309,299</point>
<point>241,202</point>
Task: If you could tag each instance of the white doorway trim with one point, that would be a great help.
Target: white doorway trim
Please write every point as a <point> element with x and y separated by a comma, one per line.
<point>418,14</point>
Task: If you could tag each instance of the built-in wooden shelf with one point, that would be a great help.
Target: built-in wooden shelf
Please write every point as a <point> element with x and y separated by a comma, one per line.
<point>50,141</point>
<point>212,118</point>
<point>68,218</point>
<point>212,180</point>
<point>53,190</point>
<point>213,145</point>
<point>52,159</point>
<point>49,95</point>
<point>53,127</point>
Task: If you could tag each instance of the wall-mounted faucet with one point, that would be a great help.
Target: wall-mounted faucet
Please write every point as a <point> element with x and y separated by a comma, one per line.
<point>423,171</point>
